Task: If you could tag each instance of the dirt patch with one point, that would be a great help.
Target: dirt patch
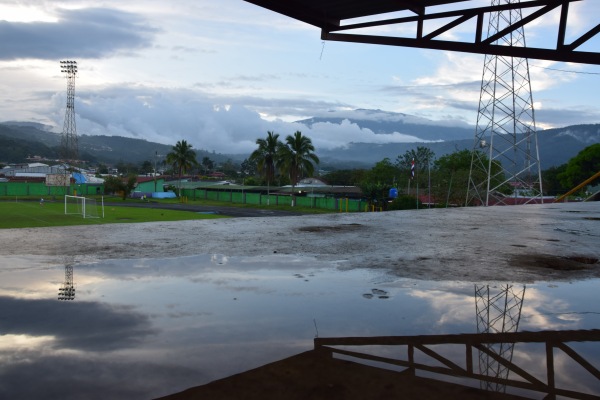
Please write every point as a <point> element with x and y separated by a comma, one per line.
<point>571,263</point>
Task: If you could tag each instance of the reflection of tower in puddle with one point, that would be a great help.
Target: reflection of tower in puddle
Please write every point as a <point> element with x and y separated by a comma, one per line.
<point>67,289</point>
<point>498,310</point>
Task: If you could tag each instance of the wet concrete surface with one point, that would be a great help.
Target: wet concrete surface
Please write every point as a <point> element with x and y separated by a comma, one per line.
<point>476,244</point>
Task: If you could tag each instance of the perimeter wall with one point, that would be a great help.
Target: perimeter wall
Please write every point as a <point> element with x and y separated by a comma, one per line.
<point>238,197</point>
<point>40,189</point>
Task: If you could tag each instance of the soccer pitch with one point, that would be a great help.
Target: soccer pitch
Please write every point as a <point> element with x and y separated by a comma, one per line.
<point>33,214</point>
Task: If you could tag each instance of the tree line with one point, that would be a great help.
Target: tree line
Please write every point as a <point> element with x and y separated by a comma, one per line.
<point>294,158</point>
<point>289,160</point>
<point>445,179</point>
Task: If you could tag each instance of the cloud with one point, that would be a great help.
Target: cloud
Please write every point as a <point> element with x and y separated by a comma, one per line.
<point>455,87</point>
<point>231,124</point>
<point>457,102</point>
<point>81,33</point>
<point>226,125</point>
<point>91,377</point>
<point>168,115</point>
<point>560,117</point>
<point>329,135</point>
<point>74,325</point>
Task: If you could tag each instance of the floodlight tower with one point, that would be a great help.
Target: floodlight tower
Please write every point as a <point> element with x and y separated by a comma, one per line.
<point>67,289</point>
<point>68,143</point>
<point>497,311</point>
<point>505,152</point>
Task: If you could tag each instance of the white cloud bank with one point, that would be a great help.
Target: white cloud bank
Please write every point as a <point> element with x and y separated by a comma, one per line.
<point>210,123</point>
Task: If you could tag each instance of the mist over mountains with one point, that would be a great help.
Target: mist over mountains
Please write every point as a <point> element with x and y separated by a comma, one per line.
<point>386,134</point>
<point>556,146</point>
<point>386,123</point>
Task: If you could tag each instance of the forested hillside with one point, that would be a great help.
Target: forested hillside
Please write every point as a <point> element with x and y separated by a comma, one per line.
<point>17,142</point>
<point>21,140</point>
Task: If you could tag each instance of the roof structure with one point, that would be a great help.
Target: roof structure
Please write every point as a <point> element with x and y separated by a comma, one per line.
<point>337,20</point>
<point>324,13</point>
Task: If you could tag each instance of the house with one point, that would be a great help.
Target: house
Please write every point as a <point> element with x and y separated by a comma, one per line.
<point>148,186</point>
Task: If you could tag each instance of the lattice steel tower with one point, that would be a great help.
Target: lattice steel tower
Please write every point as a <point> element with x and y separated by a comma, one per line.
<point>67,289</point>
<point>505,153</point>
<point>68,144</point>
<point>497,311</point>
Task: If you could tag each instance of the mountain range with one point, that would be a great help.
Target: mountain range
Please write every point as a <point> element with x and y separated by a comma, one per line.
<point>556,146</point>
<point>18,140</point>
<point>385,122</point>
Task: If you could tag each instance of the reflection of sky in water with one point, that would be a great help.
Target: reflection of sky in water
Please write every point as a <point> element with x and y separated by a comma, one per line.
<point>145,328</point>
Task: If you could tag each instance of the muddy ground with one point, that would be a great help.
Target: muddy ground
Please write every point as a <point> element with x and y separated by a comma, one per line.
<point>517,243</point>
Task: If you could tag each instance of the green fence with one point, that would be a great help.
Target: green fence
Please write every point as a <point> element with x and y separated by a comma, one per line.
<point>40,189</point>
<point>240,197</point>
<point>228,196</point>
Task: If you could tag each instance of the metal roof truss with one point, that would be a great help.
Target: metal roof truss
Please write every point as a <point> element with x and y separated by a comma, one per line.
<point>329,15</point>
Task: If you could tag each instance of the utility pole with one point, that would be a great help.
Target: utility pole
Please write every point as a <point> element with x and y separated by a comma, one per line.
<point>155,157</point>
<point>428,181</point>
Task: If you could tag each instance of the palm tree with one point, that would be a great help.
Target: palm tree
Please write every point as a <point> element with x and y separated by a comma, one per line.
<point>265,157</point>
<point>296,158</point>
<point>182,158</point>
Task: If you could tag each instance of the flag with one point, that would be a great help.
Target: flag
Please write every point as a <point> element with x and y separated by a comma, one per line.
<point>412,169</point>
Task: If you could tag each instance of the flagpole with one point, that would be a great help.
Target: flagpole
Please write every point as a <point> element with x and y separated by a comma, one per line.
<point>429,183</point>
<point>417,174</point>
<point>412,174</point>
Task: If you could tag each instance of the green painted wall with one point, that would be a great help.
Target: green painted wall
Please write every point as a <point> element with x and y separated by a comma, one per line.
<point>148,187</point>
<point>40,189</point>
<point>235,197</point>
<point>238,197</point>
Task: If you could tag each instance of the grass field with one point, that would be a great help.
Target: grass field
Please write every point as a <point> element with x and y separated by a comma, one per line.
<point>30,214</point>
<point>206,202</point>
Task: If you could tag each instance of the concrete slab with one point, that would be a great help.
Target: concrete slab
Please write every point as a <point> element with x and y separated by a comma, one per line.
<point>481,244</point>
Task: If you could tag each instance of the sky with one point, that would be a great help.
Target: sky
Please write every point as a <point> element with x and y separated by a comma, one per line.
<point>222,74</point>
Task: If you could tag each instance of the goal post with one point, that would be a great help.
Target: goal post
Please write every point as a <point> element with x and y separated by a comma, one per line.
<point>74,205</point>
<point>86,207</point>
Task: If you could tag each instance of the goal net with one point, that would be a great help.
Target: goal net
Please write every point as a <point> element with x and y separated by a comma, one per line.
<point>86,207</point>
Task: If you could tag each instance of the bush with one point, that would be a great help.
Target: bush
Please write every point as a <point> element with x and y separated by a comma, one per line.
<point>250,181</point>
<point>171,188</point>
<point>113,184</point>
<point>404,203</point>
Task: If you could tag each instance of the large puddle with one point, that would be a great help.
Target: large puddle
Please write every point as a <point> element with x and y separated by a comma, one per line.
<point>139,329</point>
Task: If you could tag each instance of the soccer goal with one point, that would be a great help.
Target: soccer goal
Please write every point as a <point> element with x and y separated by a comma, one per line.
<point>86,207</point>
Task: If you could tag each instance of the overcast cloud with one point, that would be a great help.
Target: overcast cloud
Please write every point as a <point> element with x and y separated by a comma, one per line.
<point>80,33</point>
<point>78,325</point>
